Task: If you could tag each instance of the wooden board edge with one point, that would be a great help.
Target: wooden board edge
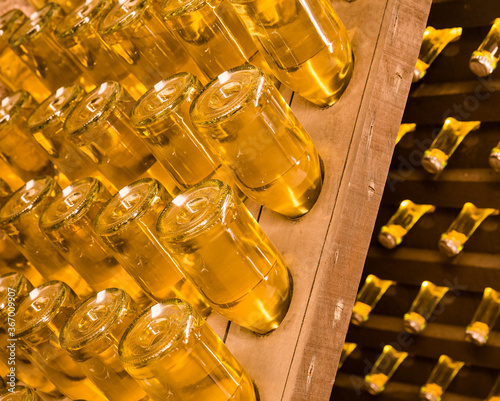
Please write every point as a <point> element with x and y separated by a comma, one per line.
<point>327,317</point>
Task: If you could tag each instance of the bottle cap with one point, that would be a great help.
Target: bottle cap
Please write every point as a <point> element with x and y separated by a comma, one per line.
<point>481,65</point>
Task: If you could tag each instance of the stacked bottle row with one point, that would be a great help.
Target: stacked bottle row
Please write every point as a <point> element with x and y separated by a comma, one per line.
<point>451,242</point>
<point>139,43</point>
<point>483,60</point>
<point>445,143</point>
<point>387,363</point>
<point>423,306</point>
<point>107,347</point>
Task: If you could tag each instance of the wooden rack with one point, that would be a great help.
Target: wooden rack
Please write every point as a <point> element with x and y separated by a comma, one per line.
<point>325,250</point>
<point>449,89</point>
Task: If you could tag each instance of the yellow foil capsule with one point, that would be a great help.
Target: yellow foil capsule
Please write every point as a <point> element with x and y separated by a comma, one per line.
<point>373,289</point>
<point>435,40</point>
<point>453,239</point>
<point>347,349</point>
<point>429,296</point>
<point>449,138</point>
<point>392,233</point>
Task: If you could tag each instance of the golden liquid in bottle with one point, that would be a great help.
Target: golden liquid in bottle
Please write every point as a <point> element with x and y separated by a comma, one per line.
<point>232,262</point>
<point>19,218</point>
<point>18,150</point>
<point>78,34</point>
<point>15,74</point>
<point>38,323</point>
<point>100,127</point>
<point>36,45</point>
<point>199,367</point>
<point>309,53</point>
<point>213,35</point>
<point>161,118</point>
<point>91,336</point>
<point>273,158</point>
<point>137,34</point>
<point>127,226</point>
<point>67,223</point>
<point>461,229</point>
<point>373,289</point>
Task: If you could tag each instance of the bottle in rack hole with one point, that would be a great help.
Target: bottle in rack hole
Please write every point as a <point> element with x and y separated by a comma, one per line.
<point>304,43</point>
<point>485,59</point>
<point>91,335</point>
<point>245,118</point>
<point>225,252</point>
<point>440,378</point>
<point>447,141</point>
<point>479,329</point>
<point>392,233</point>
<point>434,42</point>
<point>383,369</point>
<point>429,296</point>
<point>173,354</point>
<point>373,289</point>
<point>470,217</point>
<point>405,129</point>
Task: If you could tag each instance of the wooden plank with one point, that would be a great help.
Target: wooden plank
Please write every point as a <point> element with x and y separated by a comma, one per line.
<point>435,340</point>
<point>470,100</point>
<point>469,271</point>
<point>361,128</point>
